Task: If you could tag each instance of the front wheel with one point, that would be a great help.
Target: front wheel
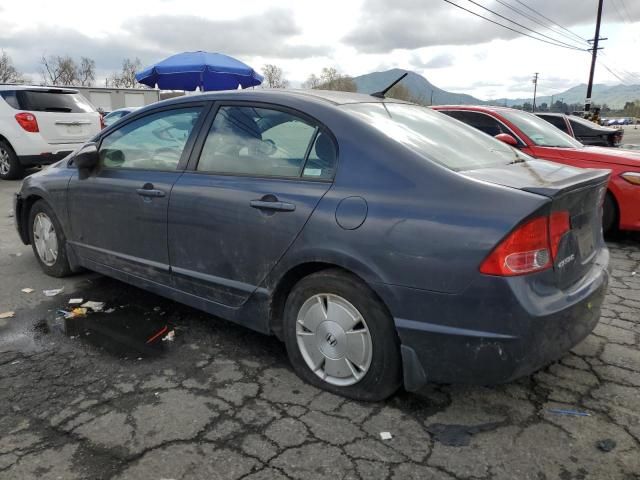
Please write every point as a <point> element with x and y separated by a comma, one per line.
<point>48,240</point>
<point>341,338</point>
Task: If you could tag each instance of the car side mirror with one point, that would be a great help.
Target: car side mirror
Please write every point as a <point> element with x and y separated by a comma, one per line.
<point>506,138</point>
<point>86,160</point>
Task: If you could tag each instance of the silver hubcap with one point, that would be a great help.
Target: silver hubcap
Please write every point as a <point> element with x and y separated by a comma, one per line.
<point>45,239</point>
<point>4,162</point>
<point>334,339</point>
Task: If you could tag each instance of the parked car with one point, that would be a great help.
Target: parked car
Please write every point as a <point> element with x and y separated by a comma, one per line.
<point>40,125</point>
<point>537,138</point>
<point>586,132</point>
<point>382,241</point>
<point>116,115</point>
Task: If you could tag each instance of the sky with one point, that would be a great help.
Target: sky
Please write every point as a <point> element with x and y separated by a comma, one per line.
<point>452,48</point>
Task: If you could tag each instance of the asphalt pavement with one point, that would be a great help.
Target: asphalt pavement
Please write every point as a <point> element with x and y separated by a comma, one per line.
<point>94,398</point>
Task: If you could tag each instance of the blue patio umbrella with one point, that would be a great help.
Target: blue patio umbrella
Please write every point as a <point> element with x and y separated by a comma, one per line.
<point>190,70</point>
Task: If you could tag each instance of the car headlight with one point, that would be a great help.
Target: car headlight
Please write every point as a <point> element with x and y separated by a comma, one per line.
<point>632,177</point>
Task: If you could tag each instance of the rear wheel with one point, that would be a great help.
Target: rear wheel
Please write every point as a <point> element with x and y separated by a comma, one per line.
<point>48,241</point>
<point>10,168</point>
<point>609,214</point>
<point>341,338</point>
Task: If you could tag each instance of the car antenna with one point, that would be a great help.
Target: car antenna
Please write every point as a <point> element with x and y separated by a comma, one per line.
<point>382,93</point>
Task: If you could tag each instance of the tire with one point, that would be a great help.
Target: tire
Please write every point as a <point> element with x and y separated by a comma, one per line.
<point>55,265</point>
<point>10,168</point>
<point>314,339</point>
<point>609,214</point>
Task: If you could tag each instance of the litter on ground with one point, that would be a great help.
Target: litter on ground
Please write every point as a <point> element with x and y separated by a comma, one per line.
<point>170,337</point>
<point>385,435</point>
<point>158,334</point>
<point>53,292</point>
<point>95,306</point>
<point>27,290</point>
<point>573,413</point>
<point>75,301</point>
<point>7,315</point>
<point>74,313</point>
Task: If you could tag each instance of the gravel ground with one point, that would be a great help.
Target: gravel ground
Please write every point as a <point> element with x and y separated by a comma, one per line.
<point>89,398</point>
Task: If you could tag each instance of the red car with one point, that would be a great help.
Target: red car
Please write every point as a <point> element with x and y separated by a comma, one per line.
<point>540,139</point>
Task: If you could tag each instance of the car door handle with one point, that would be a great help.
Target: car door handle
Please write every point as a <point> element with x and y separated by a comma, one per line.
<point>150,192</point>
<point>271,205</point>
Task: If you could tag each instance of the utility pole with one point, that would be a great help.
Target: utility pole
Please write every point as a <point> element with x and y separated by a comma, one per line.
<point>551,106</point>
<point>594,54</point>
<point>431,102</point>
<point>535,90</point>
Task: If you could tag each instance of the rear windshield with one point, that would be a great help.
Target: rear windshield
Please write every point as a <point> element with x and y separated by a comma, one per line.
<point>541,132</point>
<point>50,101</point>
<point>436,136</point>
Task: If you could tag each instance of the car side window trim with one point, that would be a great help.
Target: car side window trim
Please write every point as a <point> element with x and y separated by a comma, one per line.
<point>186,152</point>
<point>521,143</point>
<point>204,132</point>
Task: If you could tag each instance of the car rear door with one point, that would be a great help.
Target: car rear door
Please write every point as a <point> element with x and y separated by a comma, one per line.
<point>118,215</point>
<point>64,116</point>
<point>255,177</point>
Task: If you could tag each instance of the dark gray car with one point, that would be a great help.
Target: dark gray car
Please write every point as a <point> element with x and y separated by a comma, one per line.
<point>382,241</point>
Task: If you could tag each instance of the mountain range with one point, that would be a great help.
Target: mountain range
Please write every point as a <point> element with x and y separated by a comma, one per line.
<point>420,88</point>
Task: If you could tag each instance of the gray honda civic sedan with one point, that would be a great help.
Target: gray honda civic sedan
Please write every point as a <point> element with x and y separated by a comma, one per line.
<point>383,242</point>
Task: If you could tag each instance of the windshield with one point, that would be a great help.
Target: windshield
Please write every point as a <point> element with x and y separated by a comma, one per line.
<point>436,136</point>
<point>539,131</point>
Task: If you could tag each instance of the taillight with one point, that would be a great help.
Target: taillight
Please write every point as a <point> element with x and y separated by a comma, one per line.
<point>559,224</point>
<point>28,122</point>
<point>102,124</point>
<point>529,248</point>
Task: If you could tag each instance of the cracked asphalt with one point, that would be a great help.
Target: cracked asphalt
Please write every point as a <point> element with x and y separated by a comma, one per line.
<point>90,399</point>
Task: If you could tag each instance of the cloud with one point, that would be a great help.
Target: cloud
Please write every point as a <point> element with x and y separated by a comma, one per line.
<point>264,34</point>
<point>409,24</point>
<point>439,61</point>
<point>152,38</point>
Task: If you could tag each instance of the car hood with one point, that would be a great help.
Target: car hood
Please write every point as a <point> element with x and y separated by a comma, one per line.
<point>604,155</point>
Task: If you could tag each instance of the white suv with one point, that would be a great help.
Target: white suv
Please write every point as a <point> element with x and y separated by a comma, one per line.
<point>40,125</point>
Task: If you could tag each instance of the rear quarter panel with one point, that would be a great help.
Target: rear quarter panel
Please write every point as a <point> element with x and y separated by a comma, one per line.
<point>426,227</point>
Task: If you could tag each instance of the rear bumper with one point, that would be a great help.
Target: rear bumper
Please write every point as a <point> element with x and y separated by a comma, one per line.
<point>43,158</point>
<point>499,329</point>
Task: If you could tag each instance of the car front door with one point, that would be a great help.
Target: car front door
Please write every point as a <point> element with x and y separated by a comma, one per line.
<point>259,176</point>
<point>118,214</point>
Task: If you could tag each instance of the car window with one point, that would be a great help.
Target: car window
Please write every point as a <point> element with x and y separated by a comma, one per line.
<point>321,163</point>
<point>11,98</point>
<point>556,121</point>
<point>483,122</point>
<point>541,132</point>
<point>256,141</point>
<point>582,127</point>
<point>435,136</point>
<point>153,142</point>
<point>53,101</point>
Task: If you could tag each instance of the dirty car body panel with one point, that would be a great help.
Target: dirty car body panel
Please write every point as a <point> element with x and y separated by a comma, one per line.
<point>390,210</point>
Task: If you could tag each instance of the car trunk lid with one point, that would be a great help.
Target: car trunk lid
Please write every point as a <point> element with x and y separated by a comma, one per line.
<point>579,192</point>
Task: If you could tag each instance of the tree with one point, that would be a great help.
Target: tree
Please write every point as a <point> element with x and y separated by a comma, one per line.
<point>127,76</point>
<point>312,82</point>
<point>87,72</point>
<point>331,79</point>
<point>59,70</point>
<point>8,73</point>
<point>274,77</point>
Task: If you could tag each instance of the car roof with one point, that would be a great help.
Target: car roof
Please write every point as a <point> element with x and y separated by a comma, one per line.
<point>551,114</point>
<point>478,108</point>
<point>9,86</point>
<point>275,95</point>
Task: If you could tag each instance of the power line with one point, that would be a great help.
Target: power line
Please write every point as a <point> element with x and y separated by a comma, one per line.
<point>509,28</point>
<point>624,7</point>
<point>535,20</point>
<point>521,26</point>
<point>553,22</point>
